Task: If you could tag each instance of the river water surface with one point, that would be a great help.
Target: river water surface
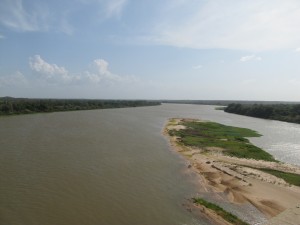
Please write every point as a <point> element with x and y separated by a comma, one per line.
<point>109,167</point>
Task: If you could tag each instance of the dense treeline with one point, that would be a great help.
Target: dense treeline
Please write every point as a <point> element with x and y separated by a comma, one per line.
<point>11,106</point>
<point>282,112</point>
<point>225,102</point>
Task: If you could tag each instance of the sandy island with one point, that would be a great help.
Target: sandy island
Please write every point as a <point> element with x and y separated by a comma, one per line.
<point>241,181</point>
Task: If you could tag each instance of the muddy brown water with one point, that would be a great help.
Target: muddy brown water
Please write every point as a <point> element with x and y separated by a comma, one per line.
<point>109,166</point>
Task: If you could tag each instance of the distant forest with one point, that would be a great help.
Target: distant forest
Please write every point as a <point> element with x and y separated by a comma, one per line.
<point>13,106</point>
<point>225,102</point>
<point>282,112</point>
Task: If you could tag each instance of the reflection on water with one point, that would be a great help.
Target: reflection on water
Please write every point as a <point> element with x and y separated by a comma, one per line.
<point>109,166</point>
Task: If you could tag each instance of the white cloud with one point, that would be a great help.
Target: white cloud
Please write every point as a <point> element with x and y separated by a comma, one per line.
<point>244,25</point>
<point>102,66</point>
<point>13,15</point>
<point>108,8</point>
<point>48,71</point>
<point>2,36</point>
<point>65,25</point>
<point>52,80</point>
<point>29,16</point>
<point>115,7</point>
<point>98,73</point>
<point>26,16</point>
<point>15,79</point>
<point>250,58</point>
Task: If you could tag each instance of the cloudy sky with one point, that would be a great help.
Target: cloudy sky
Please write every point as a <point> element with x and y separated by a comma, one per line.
<point>150,49</point>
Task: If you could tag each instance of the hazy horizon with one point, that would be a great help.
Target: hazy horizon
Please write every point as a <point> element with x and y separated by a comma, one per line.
<point>129,49</point>
<point>171,101</point>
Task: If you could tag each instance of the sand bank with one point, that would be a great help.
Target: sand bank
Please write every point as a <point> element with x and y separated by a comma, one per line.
<point>241,180</point>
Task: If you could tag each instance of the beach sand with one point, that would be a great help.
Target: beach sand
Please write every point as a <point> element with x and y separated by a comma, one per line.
<point>241,181</point>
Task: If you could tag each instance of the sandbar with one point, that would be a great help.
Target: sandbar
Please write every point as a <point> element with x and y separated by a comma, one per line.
<point>241,180</point>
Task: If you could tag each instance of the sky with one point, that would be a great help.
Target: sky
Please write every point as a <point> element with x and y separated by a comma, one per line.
<point>150,49</point>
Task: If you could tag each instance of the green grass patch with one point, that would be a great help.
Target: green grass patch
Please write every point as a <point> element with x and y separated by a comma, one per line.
<point>290,178</point>
<point>220,211</point>
<point>221,108</point>
<point>231,139</point>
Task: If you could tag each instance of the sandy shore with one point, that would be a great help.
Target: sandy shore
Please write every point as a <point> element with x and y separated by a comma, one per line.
<point>241,184</point>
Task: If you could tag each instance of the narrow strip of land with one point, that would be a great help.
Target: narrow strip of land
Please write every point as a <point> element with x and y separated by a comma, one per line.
<point>228,163</point>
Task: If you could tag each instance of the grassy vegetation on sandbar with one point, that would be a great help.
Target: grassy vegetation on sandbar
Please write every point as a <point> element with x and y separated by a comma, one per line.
<point>231,139</point>
<point>290,178</point>
<point>220,211</point>
<point>220,108</point>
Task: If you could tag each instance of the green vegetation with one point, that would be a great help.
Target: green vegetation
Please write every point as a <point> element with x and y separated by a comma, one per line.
<point>231,139</point>
<point>225,102</point>
<point>220,108</point>
<point>220,211</point>
<point>282,112</point>
<point>290,178</point>
<point>13,106</point>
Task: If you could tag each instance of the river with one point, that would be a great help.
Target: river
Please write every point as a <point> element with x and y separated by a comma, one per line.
<point>110,167</point>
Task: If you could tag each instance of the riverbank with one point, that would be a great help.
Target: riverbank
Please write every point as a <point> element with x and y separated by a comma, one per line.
<point>18,106</point>
<point>241,180</point>
<point>281,112</point>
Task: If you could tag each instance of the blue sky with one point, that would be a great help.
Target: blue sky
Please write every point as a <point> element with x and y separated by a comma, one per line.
<point>150,49</point>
